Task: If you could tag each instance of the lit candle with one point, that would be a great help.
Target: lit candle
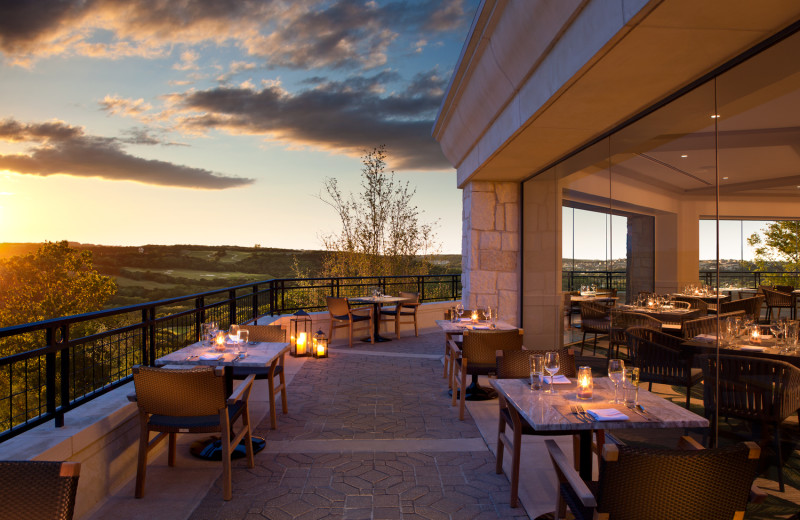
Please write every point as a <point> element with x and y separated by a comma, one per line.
<point>301,344</point>
<point>474,316</point>
<point>219,342</point>
<point>320,350</point>
<point>755,335</point>
<point>585,383</point>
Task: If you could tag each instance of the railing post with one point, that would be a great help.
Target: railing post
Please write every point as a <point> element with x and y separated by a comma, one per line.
<point>145,338</point>
<point>65,379</point>
<point>421,288</point>
<point>232,307</point>
<point>50,377</point>
<point>151,331</point>
<point>255,302</point>
<point>199,316</point>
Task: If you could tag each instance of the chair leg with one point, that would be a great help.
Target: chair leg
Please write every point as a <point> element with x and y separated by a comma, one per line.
<point>688,395</point>
<point>447,362</point>
<point>350,333</point>
<point>172,449</point>
<point>273,416</point>
<point>594,348</point>
<point>778,453</point>
<point>463,392</point>
<point>583,342</point>
<point>416,326</point>
<point>225,439</point>
<point>284,401</point>
<point>453,382</point>
<point>516,449</point>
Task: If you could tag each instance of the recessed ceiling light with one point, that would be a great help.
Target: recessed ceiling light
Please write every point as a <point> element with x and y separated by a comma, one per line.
<point>714,116</point>
<point>725,179</point>
<point>684,156</point>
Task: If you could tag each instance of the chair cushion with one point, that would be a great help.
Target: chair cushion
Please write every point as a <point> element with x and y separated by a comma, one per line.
<point>260,372</point>
<point>203,422</point>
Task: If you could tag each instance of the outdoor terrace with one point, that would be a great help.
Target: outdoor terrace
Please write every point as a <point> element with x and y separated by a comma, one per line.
<point>371,434</point>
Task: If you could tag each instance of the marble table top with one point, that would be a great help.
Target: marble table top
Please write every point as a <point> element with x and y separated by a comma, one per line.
<point>546,412</point>
<point>377,299</point>
<point>457,327</point>
<point>259,355</point>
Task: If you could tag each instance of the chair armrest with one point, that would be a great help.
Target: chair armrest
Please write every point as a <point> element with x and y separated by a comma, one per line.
<point>243,390</point>
<point>455,352</point>
<point>355,310</point>
<point>132,397</point>
<point>567,473</point>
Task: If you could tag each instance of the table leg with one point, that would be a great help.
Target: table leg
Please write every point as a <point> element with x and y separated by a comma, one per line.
<point>586,455</point>
<point>376,325</point>
<point>476,392</point>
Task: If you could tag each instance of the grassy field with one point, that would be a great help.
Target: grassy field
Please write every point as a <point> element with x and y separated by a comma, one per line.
<point>190,274</point>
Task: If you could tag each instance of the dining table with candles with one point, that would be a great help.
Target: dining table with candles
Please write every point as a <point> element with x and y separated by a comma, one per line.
<point>567,411</point>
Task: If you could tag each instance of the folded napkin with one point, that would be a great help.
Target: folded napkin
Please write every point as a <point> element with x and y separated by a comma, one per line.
<point>753,348</point>
<point>607,414</point>
<point>463,320</point>
<point>211,357</point>
<point>559,380</point>
<point>706,337</point>
<point>481,327</point>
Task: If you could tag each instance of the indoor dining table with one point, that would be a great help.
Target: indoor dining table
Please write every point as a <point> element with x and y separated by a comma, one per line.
<point>546,412</point>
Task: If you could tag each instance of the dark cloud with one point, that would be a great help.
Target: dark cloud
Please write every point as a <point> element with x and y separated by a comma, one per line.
<point>346,116</point>
<point>63,149</point>
<point>291,33</point>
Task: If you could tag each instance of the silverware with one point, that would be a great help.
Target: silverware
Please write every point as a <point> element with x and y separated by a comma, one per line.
<point>637,412</point>
<point>586,417</point>
<point>648,414</point>
<point>574,410</point>
<point>189,358</point>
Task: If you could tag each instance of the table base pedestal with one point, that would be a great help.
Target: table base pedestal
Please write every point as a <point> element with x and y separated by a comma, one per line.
<point>211,448</point>
<point>476,392</point>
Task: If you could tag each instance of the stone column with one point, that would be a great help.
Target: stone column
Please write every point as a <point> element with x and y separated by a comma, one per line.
<point>490,247</point>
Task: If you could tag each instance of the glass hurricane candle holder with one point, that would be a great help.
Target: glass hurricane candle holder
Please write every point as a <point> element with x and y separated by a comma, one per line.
<point>585,383</point>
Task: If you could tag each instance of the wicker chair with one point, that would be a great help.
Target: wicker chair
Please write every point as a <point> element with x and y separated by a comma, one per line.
<point>268,333</point>
<point>661,359</point>
<point>750,306</point>
<point>776,300</point>
<point>759,390</point>
<point>661,484</point>
<point>342,315</point>
<point>707,324</point>
<point>678,304</point>
<point>515,364</point>
<point>694,303</point>
<point>38,490</point>
<point>595,319</point>
<point>404,309</point>
<point>477,356</point>
<point>457,338</point>
<point>622,321</point>
<point>173,401</point>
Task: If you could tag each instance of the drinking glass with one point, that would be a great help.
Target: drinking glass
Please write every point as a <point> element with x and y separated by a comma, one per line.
<point>631,385</point>
<point>241,346</point>
<point>537,371</point>
<point>552,364</point>
<point>616,372</point>
<point>459,309</point>
<point>233,333</point>
<point>792,331</point>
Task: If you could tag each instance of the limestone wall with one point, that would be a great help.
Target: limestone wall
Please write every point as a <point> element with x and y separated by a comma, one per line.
<point>490,247</point>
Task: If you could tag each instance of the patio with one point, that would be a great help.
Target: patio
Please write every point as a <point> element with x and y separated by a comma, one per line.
<point>370,434</point>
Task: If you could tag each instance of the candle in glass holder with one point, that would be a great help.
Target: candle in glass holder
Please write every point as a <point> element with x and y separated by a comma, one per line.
<point>219,341</point>
<point>585,383</point>
<point>301,344</point>
<point>755,335</point>
<point>474,316</point>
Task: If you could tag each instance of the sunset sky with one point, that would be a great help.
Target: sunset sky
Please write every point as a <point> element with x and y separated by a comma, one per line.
<point>216,121</point>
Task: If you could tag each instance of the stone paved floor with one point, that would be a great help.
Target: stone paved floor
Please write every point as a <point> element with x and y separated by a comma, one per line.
<point>370,435</point>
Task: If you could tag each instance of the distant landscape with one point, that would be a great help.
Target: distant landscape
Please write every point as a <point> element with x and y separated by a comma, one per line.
<point>154,272</point>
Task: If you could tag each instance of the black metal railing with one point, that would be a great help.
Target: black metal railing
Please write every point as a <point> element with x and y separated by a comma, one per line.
<point>50,367</point>
<point>749,279</point>
<point>574,280</point>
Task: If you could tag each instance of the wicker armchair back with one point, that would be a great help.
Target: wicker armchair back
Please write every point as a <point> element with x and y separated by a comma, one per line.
<point>38,490</point>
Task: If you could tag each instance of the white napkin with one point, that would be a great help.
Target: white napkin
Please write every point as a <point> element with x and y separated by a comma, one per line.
<point>753,348</point>
<point>706,337</point>
<point>481,327</point>
<point>607,414</point>
<point>211,357</point>
<point>465,320</point>
<point>560,379</point>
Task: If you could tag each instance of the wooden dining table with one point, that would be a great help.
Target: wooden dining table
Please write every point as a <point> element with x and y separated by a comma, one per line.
<point>377,302</point>
<point>553,412</point>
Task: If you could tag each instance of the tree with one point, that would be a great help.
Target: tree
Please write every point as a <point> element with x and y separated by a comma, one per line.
<point>779,243</point>
<point>381,233</point>
<point>54,281</point>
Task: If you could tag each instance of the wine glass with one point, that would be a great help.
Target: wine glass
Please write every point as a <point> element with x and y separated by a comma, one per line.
<point>459,309</point>
<point>616,372</point>
<point>233,333</point>
<point>537,371</point>
<point>552,364</point>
